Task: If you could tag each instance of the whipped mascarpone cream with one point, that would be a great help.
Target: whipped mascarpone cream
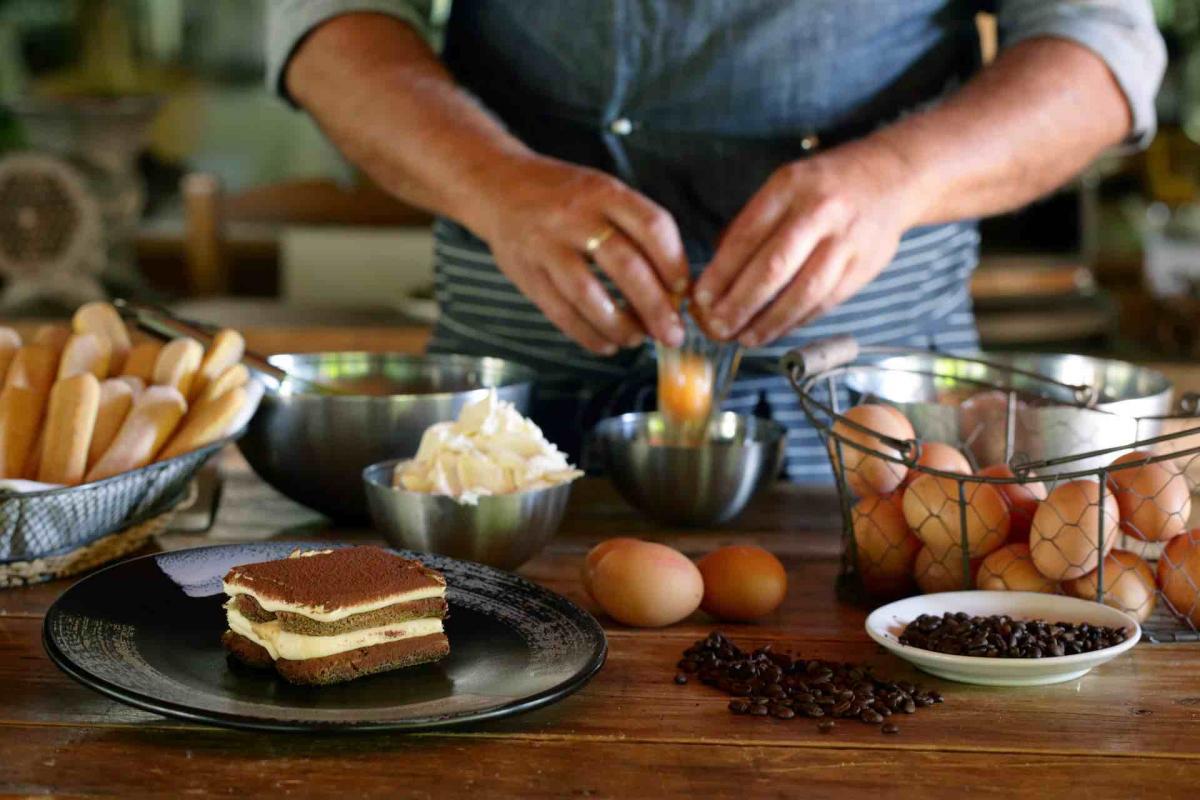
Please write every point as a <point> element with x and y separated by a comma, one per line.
<point>297,647</point>
<point>490,449</point>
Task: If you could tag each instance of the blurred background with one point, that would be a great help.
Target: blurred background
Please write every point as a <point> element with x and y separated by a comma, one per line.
<point>141,155</point>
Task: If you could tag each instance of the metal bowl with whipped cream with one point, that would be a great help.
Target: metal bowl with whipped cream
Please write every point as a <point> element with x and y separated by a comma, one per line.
<point>313,447</point>
<point>486,487</point>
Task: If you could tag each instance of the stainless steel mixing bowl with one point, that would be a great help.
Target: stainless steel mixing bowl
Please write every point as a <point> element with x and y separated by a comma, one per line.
<point>501,531</point>
<point>314,447</point>
<point>705,484</point>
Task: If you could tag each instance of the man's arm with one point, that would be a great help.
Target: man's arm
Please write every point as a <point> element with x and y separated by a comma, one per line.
<point>820,229</point>
<point>382,96</point>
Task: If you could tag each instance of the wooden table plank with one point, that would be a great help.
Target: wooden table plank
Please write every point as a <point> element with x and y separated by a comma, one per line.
<point>181,763</point>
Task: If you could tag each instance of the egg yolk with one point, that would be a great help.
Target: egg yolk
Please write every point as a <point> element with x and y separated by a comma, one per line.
<point>685,387</point>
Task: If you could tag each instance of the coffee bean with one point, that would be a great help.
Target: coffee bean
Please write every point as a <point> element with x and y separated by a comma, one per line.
<point>739,706</point>
<point>681,679</point>
<point>870,717</point>
<point>759,711</point>
<point>1003,637</point>
<point>890,727</point>
<point>825,725</point>
<point>782,712</point>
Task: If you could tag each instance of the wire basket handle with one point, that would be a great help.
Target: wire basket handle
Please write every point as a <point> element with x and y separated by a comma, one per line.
<point>820,356</point>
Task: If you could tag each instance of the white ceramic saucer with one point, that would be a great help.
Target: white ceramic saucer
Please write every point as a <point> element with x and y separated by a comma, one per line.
<point>885,625</point>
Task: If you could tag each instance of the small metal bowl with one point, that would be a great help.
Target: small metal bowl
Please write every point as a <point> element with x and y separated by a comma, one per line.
<point>313,447</point>
<point>502,531</point>
<point>706,484</point>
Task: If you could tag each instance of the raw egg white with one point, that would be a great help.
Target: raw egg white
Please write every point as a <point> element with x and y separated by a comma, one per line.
<point>742,583</point>
<point>595,554</point>
<point>884,546</point>
<point>1128,584</point>
<point>943,571</point>
<point>868,474</point>
<point>1154,499</point>
<point>1011,569</point>
<point>932,509</point>
<point>647,585</point>
<point>1022,499</point>
<point>1065,538</point>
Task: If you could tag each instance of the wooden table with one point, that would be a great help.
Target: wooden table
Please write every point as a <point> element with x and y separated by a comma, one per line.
<point>1130,729</point>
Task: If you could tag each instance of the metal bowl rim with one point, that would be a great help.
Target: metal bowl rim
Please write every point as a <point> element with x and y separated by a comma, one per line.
<point>389,465</point>
<point>773,431</point>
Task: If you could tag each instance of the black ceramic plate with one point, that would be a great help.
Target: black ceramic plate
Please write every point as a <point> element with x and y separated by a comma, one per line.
<point>147,632</point>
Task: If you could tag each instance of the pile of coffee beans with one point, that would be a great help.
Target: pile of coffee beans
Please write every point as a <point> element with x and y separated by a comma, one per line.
<point>1004,637</point>
<point>766,683</point>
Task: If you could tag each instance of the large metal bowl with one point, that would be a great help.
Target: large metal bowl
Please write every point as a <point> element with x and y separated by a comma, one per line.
<point>314,447</point>
<point>953,399</point>
<point>698,485</point>
<point>502,531</point>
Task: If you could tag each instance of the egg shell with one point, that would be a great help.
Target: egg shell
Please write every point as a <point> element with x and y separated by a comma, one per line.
<point>868,474</point>
<point>1154,499</point>
<point>1065,538</point>
<point>1022,500</point>
<point>884,546</point>
<point>940,456</point>
<point>1128,585</point>
<point>1179,577</point>
<point>647,585</point>
<point>742,583</point>
<point>588,570</point>
<point>943,572</point>
<point>933,511</point>
<point>1011,569</point>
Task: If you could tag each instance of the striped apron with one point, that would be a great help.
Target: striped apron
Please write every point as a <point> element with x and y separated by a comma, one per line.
<point>695,103</point>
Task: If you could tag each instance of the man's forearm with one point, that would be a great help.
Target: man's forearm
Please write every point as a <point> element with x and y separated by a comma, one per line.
<point>383,97</point>
<point>1025,125</point>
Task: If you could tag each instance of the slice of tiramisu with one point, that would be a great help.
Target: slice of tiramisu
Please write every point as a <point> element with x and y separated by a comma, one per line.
<point>327,616</point>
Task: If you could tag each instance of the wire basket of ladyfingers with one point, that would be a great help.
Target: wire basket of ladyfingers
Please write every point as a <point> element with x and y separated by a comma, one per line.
<point>101,433</point>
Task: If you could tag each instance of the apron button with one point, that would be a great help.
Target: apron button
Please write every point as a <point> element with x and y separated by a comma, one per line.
<point>810,142</point>
<point>621,126</point>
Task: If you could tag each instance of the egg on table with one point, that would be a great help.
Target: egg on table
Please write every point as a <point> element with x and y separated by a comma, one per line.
<point>1179,576</point>
<point>1022,499</point>
<point>933,510</point>
<point>942,571</point>
<point>1128,584</point>
<point>866,473</point>
<point>884,546</point>
<point>595,554</point>
<point>647,585</point>
<point>1154,499</point>
<point>741,583</point>
<point>1011,569</point>
<point>1065,538</point>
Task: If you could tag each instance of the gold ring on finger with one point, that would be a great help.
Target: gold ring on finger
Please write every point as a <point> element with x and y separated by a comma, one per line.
<point>595,242</point>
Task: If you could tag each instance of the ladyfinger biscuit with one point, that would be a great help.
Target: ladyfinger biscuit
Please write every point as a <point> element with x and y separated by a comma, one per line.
<point>70,420</point>
<point>10,343</point>
<point>20,420</point>
<point>136,385</point>
<point>116,398</point>
<point>52,336</point>
<point>254,394</point>
<point>141,360</point>
<point>177,364</point>
<point>233,376</point>
<point>206,424</point>
<point>150,422</point>
<point>85,352</point>
<point>103,320</point>
<point>227,349</point>
<point>33,367</point>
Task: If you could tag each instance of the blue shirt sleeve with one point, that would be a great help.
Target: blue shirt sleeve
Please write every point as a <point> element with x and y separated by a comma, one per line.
<point>290,21</point>
<point>1121,32</point>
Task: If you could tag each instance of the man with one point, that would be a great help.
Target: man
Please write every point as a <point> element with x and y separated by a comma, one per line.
<point>803,169</point>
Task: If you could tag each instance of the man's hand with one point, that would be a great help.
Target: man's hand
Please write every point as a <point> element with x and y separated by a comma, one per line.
<point>814,234</point>
<point>537,215</point>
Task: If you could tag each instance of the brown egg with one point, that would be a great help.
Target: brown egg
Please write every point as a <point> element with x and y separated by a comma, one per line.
<point>1128,584</point>
<point>868,474</point>
<point>1154,499</point>
<point>941,456</point>
<point>933,512</point>
<point>1022,499</point>
<point>943,572</point>
<point>1179,577</point>
<point>1011,569</point>
<point>1065,538</point>
<point>982,421</point>
<point>742,583</point>
<point>647,585</point>
<point>595,554</point>
<point>884,545</point>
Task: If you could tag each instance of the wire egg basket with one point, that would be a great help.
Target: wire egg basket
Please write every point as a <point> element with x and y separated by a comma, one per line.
<point>1062,474</point>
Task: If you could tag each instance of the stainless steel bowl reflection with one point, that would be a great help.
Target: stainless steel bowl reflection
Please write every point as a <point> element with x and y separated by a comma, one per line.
<point>314,447</point>
<point>501,531</point>
<point>705,484</point>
